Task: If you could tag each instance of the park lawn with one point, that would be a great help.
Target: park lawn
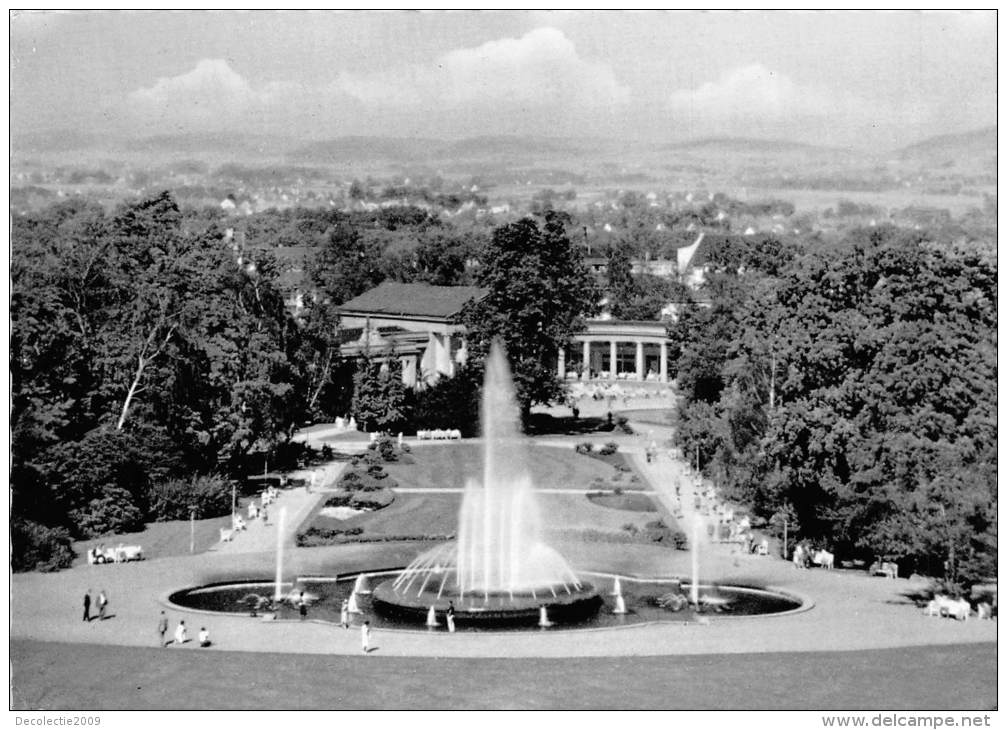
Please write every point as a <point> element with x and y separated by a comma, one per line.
<point>451,465</point>
<point>656,416</point>
<point>574,512</point>
<point>626,502</point>
<point>54,676</point>
<point>160,539</point>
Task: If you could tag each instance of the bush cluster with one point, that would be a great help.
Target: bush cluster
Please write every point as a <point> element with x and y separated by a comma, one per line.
<point>171,500</point>
<point>37,547</point>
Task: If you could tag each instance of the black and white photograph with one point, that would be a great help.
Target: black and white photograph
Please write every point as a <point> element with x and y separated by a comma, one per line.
<point>503,360</point>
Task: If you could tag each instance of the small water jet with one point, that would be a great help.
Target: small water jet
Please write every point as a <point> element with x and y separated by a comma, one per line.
<point>543,618</point>
<point>361,585</point>
<point>432,618</point>
<point>499,569</point>
<point>278,595</point>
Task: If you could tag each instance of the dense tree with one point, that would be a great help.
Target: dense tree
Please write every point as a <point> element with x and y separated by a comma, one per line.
<point>380,402</point>
<point>859,392</point>
<point>539,291</point>
<point>140,349</point>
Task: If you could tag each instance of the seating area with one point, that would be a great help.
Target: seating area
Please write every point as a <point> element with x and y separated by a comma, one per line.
<point>118,554</point>
<point>439,434</point>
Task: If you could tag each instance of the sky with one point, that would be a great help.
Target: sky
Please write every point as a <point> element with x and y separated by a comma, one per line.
<point>866,80</point>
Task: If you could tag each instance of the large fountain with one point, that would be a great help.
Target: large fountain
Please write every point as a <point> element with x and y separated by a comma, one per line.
<point>499,569</point>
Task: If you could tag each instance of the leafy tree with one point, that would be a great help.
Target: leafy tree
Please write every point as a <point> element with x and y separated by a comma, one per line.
<point>539,291</point>
<point>379,395</point>
<point>347,266</point>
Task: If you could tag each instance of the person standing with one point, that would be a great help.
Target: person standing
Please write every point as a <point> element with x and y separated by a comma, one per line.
<point>87,606</point>
<point>303,606</point>
<point>365,637</point>
<point>102,603</point>
<point>344,614</point>
<point>162,627</point>
<point>180,634</point>
<point>450,616</point>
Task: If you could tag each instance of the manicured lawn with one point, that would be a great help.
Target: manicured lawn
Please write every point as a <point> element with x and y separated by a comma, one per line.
<point>55,676</point>
<point>625,502</point>
<point>451,465</point>
<point>657,416</point>
<point>161,539</point>
<point>410,515</point>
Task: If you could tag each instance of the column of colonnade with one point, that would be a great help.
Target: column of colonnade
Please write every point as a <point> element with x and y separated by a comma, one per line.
<point>613,359</point>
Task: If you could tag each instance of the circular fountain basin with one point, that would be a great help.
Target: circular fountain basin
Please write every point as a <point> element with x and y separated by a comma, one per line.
<point>646,600</point>
<point>563,605</point>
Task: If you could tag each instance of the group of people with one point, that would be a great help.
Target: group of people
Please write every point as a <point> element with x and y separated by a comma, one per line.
<point>181,633</point>
<point>102,604</point>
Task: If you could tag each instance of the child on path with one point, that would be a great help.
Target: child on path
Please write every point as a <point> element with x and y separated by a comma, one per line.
<point>303,606</point>
<point>87,606</point>
<point>204,637</point>
<point>180,634</point>
<point>365,636</point>
<point>450,616</point>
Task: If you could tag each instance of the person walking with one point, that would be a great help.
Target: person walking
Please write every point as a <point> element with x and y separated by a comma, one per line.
<point>303,606</point>
<point>344,614</point>
<point>180,634</point>
<point>87,606</point>
<point>102,603</point>
<point>162,627</point>
<point>365,637</point>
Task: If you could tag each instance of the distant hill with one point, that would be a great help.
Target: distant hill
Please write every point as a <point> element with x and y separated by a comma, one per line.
<point>210,143</point>
<point>514,146</point>
<point>365,149</point>
<point>978,144</point>
<point>749,145</point>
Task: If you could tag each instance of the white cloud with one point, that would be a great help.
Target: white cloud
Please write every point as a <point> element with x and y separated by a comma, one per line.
<point>756,93</point>
<point>540,69</point>
<point>212,91</point>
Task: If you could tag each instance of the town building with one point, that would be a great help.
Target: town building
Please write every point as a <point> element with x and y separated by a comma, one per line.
<point>418,324</point>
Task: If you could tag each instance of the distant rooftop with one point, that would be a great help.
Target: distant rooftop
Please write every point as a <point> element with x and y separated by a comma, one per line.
<point>413,300</point>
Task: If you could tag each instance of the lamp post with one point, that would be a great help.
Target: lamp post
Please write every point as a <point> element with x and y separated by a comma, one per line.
<point>192,528</point>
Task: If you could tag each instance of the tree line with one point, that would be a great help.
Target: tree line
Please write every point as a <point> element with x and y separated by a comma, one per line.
<point>853,395</point>
<point>154,361</point>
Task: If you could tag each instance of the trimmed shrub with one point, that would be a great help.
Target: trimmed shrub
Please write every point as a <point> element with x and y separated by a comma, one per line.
<point>171,500</point>
<point>37,547</point>
<point>113,511</point>
<point>608,449</point>
<point>679,540</point>
<point>585,448</point>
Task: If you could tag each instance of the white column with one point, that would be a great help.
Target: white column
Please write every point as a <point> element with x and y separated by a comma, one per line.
<point>561,364</point>
<point>409,367</point>
<point>639,361</point>
<point>587,356</point>
<point>612,350</point>
<point>664,362</point>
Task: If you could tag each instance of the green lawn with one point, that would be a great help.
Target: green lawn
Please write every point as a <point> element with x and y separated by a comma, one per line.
<point>411,515</point>
<point>448,466</point>
<point>161,539</point>
<point>451,465</point>
<point>55,676</point>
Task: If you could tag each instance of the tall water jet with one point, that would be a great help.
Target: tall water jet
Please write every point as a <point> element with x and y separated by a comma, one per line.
<point>500,568</point>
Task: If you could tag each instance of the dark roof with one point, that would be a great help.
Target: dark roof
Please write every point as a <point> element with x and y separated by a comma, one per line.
<point>414,300</point>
